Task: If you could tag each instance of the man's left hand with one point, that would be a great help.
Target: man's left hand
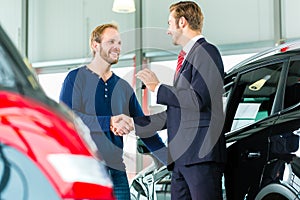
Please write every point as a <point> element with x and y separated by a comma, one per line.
<point>148,78</point>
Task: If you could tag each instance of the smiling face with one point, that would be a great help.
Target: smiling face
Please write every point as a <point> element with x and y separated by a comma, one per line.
<point>109,47</point>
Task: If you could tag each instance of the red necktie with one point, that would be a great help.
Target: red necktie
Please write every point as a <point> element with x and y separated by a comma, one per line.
<point>179,62</point>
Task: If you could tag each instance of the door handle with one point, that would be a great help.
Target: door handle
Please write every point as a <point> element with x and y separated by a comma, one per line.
<point>253,155</point>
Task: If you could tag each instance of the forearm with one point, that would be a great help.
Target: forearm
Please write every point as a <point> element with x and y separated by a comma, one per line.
<point>180,97</point>
<point>95,123</point>
<point>147,126</point>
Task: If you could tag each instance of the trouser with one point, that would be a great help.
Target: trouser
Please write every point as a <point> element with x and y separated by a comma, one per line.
<point>202,181</point>
<point>121,186</point>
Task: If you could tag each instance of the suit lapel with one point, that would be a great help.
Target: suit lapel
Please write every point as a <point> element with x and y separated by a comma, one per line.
<point>186,62</point>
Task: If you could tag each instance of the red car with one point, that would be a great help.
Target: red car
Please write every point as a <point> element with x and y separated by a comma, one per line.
<point>45,151</point>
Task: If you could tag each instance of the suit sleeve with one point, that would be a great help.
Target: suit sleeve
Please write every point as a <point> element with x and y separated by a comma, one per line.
<point>140,119</point>
<point>146,126</point>
<point>152,141</point>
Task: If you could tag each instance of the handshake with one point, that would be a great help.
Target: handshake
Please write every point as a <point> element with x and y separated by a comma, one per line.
<point>121,124</point>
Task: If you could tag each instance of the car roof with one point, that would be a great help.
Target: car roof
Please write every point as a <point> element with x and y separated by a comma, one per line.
<point>276,53</point>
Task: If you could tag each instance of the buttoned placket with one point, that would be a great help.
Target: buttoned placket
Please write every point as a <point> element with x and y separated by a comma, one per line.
<point>105,90</point>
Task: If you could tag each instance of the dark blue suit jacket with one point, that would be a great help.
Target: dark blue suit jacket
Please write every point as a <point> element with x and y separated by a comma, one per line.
<point>194,117</point>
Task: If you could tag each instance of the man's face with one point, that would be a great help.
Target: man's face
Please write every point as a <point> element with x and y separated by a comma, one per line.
<point>110,46</point>
<point>173,29</point>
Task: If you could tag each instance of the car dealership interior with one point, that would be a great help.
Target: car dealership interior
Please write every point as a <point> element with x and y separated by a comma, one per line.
<point>52,37</point>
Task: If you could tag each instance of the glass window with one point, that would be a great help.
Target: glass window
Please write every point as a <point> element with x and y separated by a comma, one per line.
<point>256,90</point>
<point>14,74</point>
<point>226,94</point>
<point>292,90</point>
<point>7,78</point>
<point>20,177</point>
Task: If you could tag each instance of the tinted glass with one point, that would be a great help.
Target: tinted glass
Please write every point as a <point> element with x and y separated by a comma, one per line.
<point>226,94</point>
<point>14,74</point>
<point>21,179</point>
<point>292,90</point>
<point>256,90</point>
<point>18,77</point>
<point>7,78</point>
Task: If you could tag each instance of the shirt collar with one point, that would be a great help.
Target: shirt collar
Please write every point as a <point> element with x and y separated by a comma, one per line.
<point>191,43</point>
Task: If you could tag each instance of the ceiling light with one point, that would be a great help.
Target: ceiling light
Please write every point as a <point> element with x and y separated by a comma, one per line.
<point>123,6</point>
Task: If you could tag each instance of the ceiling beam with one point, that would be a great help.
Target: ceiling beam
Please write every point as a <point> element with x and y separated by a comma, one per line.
<point>278,36</point>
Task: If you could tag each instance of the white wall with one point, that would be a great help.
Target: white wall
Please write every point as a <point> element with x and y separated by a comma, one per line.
<point>10,19</point>
<point>59,29</point>
<point>291,18</point>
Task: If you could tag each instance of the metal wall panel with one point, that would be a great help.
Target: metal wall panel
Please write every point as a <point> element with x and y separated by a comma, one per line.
<point>291,17</point>
<point>11,20</point>
<point>59,29</point>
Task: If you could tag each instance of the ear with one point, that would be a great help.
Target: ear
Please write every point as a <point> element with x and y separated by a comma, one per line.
<point>182,22</point>
<point>95,45</point>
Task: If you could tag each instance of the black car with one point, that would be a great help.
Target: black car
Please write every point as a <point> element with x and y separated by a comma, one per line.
<point>262,123</point>
<point>262,104</point>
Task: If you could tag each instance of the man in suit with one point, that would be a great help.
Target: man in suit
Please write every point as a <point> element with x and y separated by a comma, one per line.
<point>194,117</point>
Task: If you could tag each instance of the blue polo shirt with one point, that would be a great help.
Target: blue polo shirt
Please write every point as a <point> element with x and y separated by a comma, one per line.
<point>95,101</point>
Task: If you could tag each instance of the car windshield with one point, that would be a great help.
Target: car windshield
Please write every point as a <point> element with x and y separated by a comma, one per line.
<point>292,45</point>
<point>16,76</point>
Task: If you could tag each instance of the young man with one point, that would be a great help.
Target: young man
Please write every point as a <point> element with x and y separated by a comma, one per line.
<point>99,97</point>
<point>194,116</point>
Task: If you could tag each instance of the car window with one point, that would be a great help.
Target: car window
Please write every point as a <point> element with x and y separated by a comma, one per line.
<point>14,73</point>
<point>256,91</point>
<point>292,90</point>
<point>226,94</point>
<point>7,78</point>
<point>20,178</point>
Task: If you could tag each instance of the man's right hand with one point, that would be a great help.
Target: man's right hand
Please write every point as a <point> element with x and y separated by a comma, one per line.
<point>121,124</point>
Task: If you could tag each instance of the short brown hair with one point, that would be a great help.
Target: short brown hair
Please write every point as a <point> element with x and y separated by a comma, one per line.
<point>96,34</point>
<point>191,12</point>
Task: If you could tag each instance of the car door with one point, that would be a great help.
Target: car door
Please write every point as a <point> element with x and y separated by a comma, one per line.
<point>250,114</point>
<point>289,118</point>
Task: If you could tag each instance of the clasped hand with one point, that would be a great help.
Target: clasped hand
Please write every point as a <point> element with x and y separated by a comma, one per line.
<point>121,124</point>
